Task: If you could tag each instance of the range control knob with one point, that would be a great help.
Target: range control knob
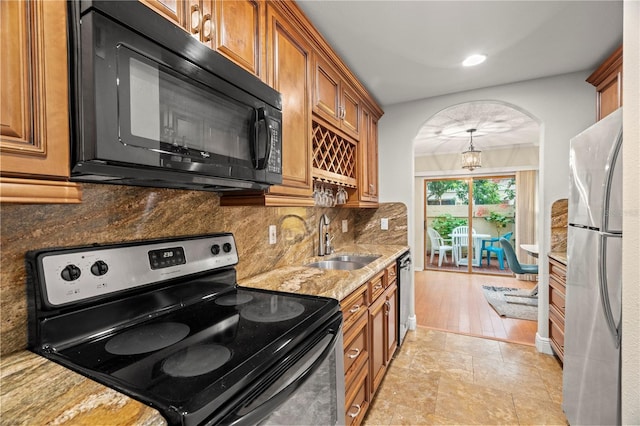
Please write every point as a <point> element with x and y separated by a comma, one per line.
<point>215,249</point>
<point>226,247</point>
<point>99,268</point>
<point>70,273</point>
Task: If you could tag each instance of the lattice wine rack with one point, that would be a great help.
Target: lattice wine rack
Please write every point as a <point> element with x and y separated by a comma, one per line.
<point>334,158</point>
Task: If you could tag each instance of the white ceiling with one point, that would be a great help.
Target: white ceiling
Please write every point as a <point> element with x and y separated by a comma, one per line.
<point>407,50</point>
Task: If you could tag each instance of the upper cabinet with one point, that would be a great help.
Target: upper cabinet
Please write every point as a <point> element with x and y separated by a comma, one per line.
<point>334,99</point>
<point>34,135</point>
<point>232,28</point>
<point>239,32</point>
<point>607,79</point>
<point>289,72</point>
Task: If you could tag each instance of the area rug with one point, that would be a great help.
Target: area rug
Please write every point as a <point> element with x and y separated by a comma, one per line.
<point>512,302</point>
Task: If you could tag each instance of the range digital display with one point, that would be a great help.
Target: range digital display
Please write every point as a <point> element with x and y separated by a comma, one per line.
<point>164,258</point>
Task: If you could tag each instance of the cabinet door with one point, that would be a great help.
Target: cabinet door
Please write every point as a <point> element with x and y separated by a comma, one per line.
<point>368,158</point>
<point>199,21</point>
<point>610,94</point>
<point>326,94</point>
<point>34,110</point>
<point>350,113</point>
<point>377,326</point>
<point>289,59</point>
<point>238,32</point>
<point>372,159</point>
<point>391,316</point>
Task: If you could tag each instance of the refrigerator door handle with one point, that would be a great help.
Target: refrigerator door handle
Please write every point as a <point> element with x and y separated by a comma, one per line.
<point>614,326</point>
<point>608,182</point>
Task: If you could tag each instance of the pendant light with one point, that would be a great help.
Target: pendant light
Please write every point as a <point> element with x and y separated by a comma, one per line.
<point>471,159</point>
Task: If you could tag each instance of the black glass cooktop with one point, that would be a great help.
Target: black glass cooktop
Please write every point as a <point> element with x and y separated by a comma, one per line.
<point>191,356</point>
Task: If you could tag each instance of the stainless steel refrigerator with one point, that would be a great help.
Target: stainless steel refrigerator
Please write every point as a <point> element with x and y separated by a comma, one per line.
<point>591,371</point>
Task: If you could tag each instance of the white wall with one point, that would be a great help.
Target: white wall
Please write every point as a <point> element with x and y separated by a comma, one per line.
<point>631,218</point>
<point>563,105</point>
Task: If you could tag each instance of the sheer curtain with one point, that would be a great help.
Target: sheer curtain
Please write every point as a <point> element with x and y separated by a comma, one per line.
<point>526,213</point>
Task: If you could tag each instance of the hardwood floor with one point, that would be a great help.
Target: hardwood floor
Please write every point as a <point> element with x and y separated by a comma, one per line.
<point>454,302</point>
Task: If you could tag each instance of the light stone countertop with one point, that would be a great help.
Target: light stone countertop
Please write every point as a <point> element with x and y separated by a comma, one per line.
<point>34,390</point>
<point>559,256</point>
<point>324,282</point>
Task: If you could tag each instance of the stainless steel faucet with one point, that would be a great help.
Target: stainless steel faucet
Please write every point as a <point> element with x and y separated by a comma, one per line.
<point>322,235</point>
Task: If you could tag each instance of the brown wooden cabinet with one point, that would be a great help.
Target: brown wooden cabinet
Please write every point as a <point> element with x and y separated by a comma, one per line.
<point>356,354</point>
<point>289,72</point>
<point>239,29</point>
<point>34,114</point>
<point>334,99</point>
<point>557,292</point>
<point>232,28</point>
<point>366,192</point>
<point>370,340</point>
<point>607,79</point>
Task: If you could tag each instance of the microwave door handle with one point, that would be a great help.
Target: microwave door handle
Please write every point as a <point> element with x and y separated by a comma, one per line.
<point>261,117</point>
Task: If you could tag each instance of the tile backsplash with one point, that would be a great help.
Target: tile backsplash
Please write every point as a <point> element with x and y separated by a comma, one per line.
<point>112,214</point>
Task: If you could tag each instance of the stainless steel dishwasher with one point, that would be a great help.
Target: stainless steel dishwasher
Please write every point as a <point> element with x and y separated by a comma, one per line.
<point>404,289</point>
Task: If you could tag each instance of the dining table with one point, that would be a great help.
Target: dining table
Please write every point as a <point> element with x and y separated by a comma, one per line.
<point>531,249</point>
<point>477,250</point>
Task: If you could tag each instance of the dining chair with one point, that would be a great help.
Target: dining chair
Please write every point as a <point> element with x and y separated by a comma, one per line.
<point>488,246</point>
<point>512,260</point>
<point>459,241</point>
<point>438,246</point>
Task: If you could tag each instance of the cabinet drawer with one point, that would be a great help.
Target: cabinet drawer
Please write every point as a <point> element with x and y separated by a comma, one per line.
<point>357,400</point>
<point>356,348</point>
<point>557,270</point>
<point>354,305</point>
<point>556,299</point>
<point>392,274</point>
<point>557,338</point>
<point>376,286</point>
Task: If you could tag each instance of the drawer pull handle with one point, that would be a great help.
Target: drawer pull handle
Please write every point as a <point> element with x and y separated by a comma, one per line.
<point>353,353</point>
<point>355,309</point>
<point>358,408</point>
<point>377,286</point>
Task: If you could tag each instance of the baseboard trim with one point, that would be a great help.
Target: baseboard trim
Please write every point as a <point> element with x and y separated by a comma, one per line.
<point>543,344</point>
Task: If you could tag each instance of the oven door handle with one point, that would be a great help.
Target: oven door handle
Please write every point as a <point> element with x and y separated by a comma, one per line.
<point>280,390</point>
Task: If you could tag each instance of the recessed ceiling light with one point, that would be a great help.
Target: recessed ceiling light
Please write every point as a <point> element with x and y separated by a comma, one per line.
<point>474,60</point>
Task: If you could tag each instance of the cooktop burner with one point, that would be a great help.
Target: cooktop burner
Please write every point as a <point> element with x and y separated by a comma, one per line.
<point>196,360</point>
<point>275,309</point>
<point>147,338</point>
<point>234,299</point>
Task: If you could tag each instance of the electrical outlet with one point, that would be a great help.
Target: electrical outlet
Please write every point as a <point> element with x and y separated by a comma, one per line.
<point>273,238</point>
<point>345,225</point>
<point>384,223</point>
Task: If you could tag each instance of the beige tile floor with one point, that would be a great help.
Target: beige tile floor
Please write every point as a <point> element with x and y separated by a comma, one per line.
<point>452,379</point>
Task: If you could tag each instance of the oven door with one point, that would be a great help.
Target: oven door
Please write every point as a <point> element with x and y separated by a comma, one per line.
<point>309,392</point>
<point>146,106</point>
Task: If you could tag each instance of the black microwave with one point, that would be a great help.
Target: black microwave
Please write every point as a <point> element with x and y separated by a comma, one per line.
<point>152,106</point>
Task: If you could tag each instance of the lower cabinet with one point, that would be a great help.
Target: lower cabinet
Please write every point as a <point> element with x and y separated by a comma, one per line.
<point>557,291</point>
<point>370,340</point>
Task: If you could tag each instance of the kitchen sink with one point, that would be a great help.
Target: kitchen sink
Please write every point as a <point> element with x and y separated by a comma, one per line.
<point>344,262</point>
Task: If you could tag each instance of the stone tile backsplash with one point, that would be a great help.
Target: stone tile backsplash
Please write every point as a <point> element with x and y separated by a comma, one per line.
<point>112,214</point>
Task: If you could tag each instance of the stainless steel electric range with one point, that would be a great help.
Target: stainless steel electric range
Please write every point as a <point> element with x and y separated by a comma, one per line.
<point>164,322</point>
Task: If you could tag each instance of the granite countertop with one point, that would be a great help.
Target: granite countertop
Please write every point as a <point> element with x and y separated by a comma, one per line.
<point>560,256</point>
<point>325,282</point>
<point>35,390</point>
